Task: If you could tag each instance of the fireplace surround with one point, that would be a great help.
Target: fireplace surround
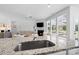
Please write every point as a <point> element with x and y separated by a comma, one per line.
<point>40,32</point>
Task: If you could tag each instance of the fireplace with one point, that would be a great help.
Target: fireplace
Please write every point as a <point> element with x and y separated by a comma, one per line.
<point>40,32</point>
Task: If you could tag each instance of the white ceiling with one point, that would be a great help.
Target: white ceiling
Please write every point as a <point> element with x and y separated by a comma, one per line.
<point>37,11</point>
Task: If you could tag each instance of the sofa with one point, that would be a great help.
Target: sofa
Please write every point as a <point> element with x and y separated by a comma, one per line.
<point>26,33</point>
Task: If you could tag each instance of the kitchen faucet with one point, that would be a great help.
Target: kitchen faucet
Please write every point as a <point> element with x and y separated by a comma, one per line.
<point>34,38</point>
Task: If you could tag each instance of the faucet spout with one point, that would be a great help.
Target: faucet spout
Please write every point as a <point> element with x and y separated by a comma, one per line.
<point>34,38</point>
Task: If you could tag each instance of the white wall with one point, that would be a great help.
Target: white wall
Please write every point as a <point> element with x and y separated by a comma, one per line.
<point>21,23</point>
<point>26,25</point>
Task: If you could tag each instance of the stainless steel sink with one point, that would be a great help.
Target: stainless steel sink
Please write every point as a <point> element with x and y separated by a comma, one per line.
<point>33,45</point>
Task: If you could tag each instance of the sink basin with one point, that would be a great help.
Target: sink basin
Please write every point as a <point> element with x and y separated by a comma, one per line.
<point>34,45</point>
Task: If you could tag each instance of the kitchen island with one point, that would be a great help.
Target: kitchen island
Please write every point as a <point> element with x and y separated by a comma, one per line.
<point>7,46</point>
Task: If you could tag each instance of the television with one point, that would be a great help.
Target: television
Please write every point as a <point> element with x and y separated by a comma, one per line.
<point>40,24</point>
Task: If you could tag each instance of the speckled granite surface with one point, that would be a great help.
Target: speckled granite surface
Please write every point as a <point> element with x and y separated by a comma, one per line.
<point>7,46</point>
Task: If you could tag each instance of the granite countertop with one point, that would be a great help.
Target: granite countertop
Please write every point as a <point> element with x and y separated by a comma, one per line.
<point>7,46</point>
